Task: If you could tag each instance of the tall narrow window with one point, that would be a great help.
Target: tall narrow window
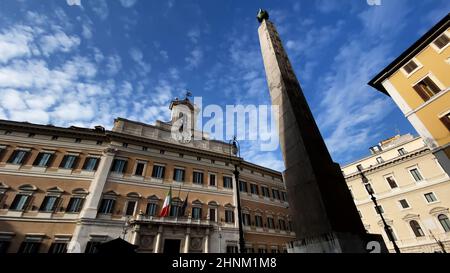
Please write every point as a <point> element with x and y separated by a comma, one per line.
<point>265,191</point>
<point>380,160</point>
<point>243,186</point>
<point>254,189</point>
<point>92,247</point>
<point>158,171</point>
<point>445,223</point>
<point>29,247</point>
<point>212,179</point>
<point>68,162</point>
<point>426,88</point>
<point>410,66</point>
<point>43,160</point>
<point>258,221</point>
<point>139,169</point>
<point>119,166</point>
<point>49,204</point>
<point>178,175</point>
<point>430,197</point>
<point>75,204</point>
<point>151,209</point>
<point>401,151</point>
<point>442,41</point>
<point>416,174</point>
<point>227,182</point>
<point>282,224</point>
<point>404,203</point>
<point>106,206</point>
<point>91,163</point>
<point>20,202</point>
<point>18,157</point>
<point>284,196</point>
<point>275,194</point>
<point>196,213</point>
<point>212,214</point>
<point>446,120</point>
<point>270,223</point>
<point>416,228</point>
<point>197,178</point>
<point>229,216</point>
<point>58,248</point>
<point>131,205</point>
<point>246,219</point>
<point>391,182</point>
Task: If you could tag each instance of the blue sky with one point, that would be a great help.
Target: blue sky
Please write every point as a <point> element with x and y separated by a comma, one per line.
<point>87,64</point>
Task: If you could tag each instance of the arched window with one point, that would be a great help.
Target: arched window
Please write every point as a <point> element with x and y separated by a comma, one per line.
<point>443,219</point>
<point>416,228</point>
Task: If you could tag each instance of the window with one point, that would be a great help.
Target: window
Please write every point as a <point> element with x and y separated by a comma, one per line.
<point>416,174</point>
<point>199,158</point>
<point>162,152</point>
<point>212,214</point>
<point>379,209</point>
<point>196,213</point>
<point>18,157</point>
<point>262,250</point>
<point>43,160</point>
<point>20,202</point>
<point>265,191</point>
<point>58,248</point>
<point>175,209</point>
<point>441,41</point>
<point>125,145</point>
<point>232,249</point>
<point>410,66</point>
<point>243,186</point>
<point>359,167</point>
<point>119,166</point>
<point>212,179</point>
<point>158,171</point>
<point>151,209</point>
<point>245,219</point>
<point>380,160</point>
<point>445,223</point>
<point>131,205</point>
<point>91,247</point>
<point>404,203</point>
<point>54,137</point>
<point>275,194</point>
<point>270,222</point>
<point>68,162</point>
<point>282,224</point>
<point>197,177</point>
<point>178,175</point>
<point>254,189</point>
<point>229,216</point>
<point>258,221</point>
<point>430,197</point>
<point>99,142</point>
<point>75,204</point>
<point>416,228</point>
<point>227,182</point>
<point>29,247</point>
<point>4,245</point>
<point>401,151</point>
<point>91,163</point>
<point>283,196</point>
<point>106,206</point>
<point>446,120</point>
<point>391,181</point>
<point>144,148</point>
<point>140,166</point>
<point>426,88</point>
<point>49,204</point>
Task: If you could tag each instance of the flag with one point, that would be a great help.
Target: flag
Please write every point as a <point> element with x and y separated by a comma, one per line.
<point>166,205</point>
<point>184,206</point>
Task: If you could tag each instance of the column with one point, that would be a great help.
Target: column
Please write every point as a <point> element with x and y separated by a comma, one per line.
<point>135,236</point>
<point>187,241</point>
<point>206,248</point>
<point>158,240</point>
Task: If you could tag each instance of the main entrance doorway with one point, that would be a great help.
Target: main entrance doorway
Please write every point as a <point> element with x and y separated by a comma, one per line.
<point>172,246</point>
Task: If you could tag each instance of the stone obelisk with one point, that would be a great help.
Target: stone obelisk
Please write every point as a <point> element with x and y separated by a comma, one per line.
<point>325,218</point>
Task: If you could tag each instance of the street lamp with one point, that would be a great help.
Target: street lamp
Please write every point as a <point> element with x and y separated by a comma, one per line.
<point>371,192</point>
<point>235,150</point>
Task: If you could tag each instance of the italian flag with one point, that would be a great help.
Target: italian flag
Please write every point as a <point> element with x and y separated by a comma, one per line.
<point>165,208</point>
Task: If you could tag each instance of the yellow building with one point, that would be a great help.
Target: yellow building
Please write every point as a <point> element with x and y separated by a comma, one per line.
<point>412,191</point>
<point>419,82</point>
<point>71,189</point>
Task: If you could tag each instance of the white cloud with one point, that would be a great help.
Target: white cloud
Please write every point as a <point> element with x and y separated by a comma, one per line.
<point>137,56</point>
<point>113,65</point>
<point>194,35</point>
<point>15,42</point>
<point>164,55</point>
<point>73,2</point>
<point>100,8</point>
<point>194,58</point>
<point>86,31</point>
<point>58,41</point>
<point>128,3</point>
<point>74,111</point>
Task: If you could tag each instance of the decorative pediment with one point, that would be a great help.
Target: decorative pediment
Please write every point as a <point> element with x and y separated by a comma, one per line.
<point>111,193</point>
<point>197,202</point>
<point>176,199</point>
<point>55,190</point>
<point>213,204</point>
<point>410,217</point>
<point>134,195</point>
<point>153,198</point>
<point>79,191</point>
<point>438,210</point>
<point>388,221</point>
<point>228,205</point>
<point>28,187</point>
